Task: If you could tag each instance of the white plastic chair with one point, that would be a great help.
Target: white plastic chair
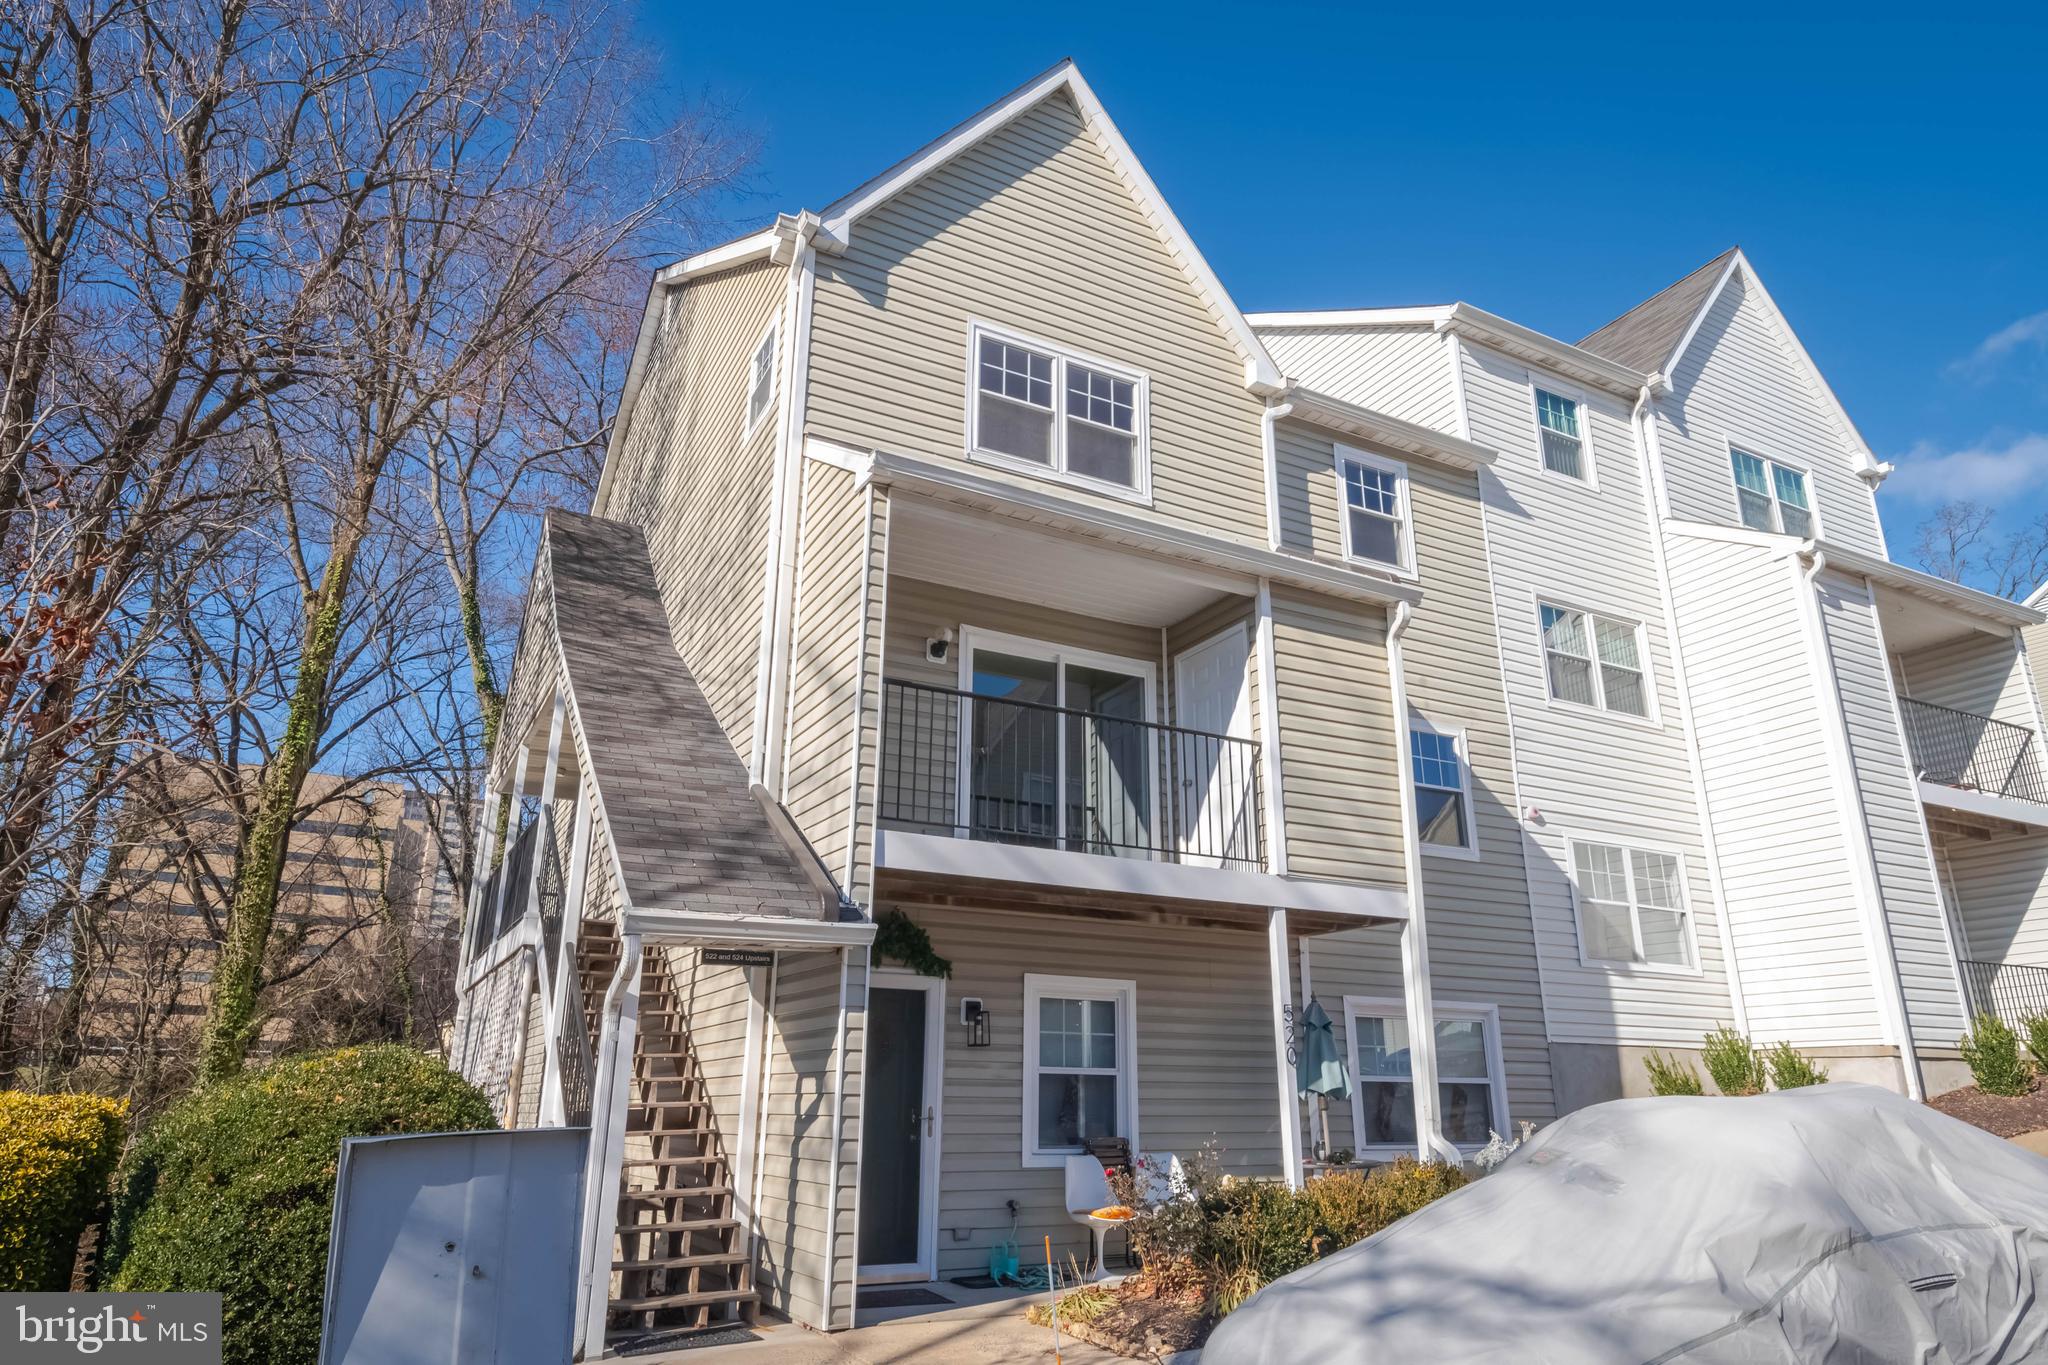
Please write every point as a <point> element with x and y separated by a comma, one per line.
<point>1161,1177</point>
<point>1088,1190</point>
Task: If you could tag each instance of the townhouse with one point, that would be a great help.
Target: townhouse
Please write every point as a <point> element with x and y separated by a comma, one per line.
<point>998,684</point>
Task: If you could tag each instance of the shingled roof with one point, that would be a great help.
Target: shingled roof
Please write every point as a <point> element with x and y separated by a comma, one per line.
<point>1644,337</point>
<point>682,817</point>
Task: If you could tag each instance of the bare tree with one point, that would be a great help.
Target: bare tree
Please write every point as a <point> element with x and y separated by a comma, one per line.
<point>1963,542</point>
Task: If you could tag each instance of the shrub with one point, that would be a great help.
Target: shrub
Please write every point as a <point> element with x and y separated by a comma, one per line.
<point>2036,1026</point>
<point>56,1152</point>
<point>1790,1069</point>
<point>1672,1075</point>
<point>232,1188</point>
<point>1993,1051</point>
<point>1737,1068</point>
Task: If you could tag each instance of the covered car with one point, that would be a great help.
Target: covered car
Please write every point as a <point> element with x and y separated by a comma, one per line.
<point>1836,1223</point>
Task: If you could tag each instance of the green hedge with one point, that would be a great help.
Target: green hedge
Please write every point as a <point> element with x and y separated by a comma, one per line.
<point>232,1189</point>
<point>56,1152</point>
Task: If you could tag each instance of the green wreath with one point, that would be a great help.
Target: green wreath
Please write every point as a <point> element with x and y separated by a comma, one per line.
<point>898,938</point>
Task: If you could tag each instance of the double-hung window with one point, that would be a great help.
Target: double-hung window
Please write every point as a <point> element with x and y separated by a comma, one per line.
<point>1560,427</point>
<point>761,380</point>
<point>1594,660</point>
<point>1079,1065</point>
<point>1471,1095</point>
<point>1443,801</point>
<point>1632,907</point>
<point>1081,420</point>
<point>1375,509</point>
<point>1771,496</point>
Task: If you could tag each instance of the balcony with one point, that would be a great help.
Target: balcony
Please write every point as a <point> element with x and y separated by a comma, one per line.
<point>1035,775</point>
<point>1974,754</point>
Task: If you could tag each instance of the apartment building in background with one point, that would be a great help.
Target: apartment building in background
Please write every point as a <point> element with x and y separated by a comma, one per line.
<point>972,585</point>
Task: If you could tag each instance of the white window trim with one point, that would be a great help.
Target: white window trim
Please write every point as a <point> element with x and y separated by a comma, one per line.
<point>1470,850</point>
<point>1627,843</point>
<point>1057,471</point>
<point>1392,1007</point>
<point>1654,719</point>
<point>975,638</point>
<point>1125,993</point>
<point>1578,396</point>
<point>1731,444</point>
<point>1353,455</point>
<point>749,423</point>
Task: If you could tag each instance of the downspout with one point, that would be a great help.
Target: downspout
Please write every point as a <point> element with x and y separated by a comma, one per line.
<point>838,1143</point>
<point>769,707</point>
<point>605,1157</point>
<point>1889,989</point>
<point>1269,442</point>
<point>1650,461</point>
<point>1415,981</point>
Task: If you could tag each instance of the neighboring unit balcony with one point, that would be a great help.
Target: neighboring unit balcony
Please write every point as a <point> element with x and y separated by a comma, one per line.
<point>1029,774</point>
<point>1972,754</point>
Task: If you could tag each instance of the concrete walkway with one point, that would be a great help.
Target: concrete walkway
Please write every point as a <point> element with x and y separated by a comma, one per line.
<point>985,1327</point>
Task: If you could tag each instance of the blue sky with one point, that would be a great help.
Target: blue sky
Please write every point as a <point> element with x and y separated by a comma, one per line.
<point>1888,180</point>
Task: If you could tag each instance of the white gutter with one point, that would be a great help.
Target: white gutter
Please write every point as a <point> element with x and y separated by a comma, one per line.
<point>772,667</point>
<point>1415,983</point>
<point>1884,967</point>
<point>1650,462</point>
<point>1396,433</point>
<point>1269,444</point>
<point>606,1156</point>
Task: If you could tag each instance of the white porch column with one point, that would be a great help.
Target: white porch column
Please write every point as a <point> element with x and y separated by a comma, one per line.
<point>1283,1047</point>
<point>611,1093</point>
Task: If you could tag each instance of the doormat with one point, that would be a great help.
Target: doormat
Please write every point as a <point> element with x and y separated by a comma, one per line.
<point>902,1298</point>
<point>684,1341</point>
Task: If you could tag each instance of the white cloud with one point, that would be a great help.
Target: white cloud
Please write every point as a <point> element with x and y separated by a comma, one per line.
<point>1982,473</point>
<point>2028,331</point>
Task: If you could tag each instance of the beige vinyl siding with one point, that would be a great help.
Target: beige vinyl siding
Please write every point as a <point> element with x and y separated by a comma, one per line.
<point>1792,908</point>
<point>1205,1062</point>
<point>1588,774</point>
<point>2034,641</point>
<point>1985,675</point>
<point>828,666</point>
<point>533,1062</point>
<point>1482,940</point>
<point>799,1146</point>
<point>1403,371</point>
<point>493,1009</point>
<point>1741,379</point>
<point>715,1001</point>
<point>918,611</point>
<point>874,632</point>
<point>1032,229</point>
<point>1892,814</point>
<point>1341,797</point>
<point>700,491</point>
<point>2000,887</point>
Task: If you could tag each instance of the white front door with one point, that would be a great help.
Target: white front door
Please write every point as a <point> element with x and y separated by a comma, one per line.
<point>899,1126</point>
<point>1210,695</point>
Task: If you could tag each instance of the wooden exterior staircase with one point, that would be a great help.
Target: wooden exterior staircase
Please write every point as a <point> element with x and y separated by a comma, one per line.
<point>680,1258</point>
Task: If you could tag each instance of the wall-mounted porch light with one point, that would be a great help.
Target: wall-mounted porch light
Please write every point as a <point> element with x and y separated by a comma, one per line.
<point>976,1018</point>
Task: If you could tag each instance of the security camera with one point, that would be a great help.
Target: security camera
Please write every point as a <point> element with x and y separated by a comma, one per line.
<point>939,648</point>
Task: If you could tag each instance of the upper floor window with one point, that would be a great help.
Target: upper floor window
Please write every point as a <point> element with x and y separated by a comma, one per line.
<point>1771,496</point>
<point>1561,429</point>
<point>1064,414</point>
<point>761,380</point>
<point>1631,906</point>
<point>1594,660</point>
<point>1443,801</point>
<point>1375,510</point>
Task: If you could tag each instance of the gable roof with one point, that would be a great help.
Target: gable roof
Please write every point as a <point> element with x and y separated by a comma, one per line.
<point>841,217</point>
<point>1647,336</point>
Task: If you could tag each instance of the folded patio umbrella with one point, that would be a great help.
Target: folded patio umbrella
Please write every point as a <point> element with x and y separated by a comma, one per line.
<point>1318,1065</point>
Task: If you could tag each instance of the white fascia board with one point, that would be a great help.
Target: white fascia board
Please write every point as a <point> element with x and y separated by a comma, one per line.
<point>655,925</point>
<point>1429,315</point>
<point>1868,465</point>
<point>969,859</point>
<point>2038,599</point>
<point>629,397</point>
<point>1983,605</point>
<point>1490,329</point>
<point>1385,429</point>
<point>1261,375</point>
<point>950,482</point>
<point>1984,804</point>
<point>755,246</point>
<point>1736,535</point>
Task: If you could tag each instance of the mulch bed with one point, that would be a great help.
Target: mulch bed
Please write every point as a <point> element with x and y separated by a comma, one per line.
<point>2001,1115</point>
<point>1146,1326</point>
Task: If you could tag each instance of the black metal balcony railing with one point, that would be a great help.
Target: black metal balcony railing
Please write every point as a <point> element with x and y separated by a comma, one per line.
<point>1973,753</point>
<point>2008,991</point>
<point>495,912</point>
<point>1052,777</point>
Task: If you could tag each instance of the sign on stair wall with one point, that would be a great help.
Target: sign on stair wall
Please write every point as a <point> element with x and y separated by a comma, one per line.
<point>738,957</point>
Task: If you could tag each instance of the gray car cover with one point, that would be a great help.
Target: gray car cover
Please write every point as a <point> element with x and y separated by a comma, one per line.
<point>1837,1223</point>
